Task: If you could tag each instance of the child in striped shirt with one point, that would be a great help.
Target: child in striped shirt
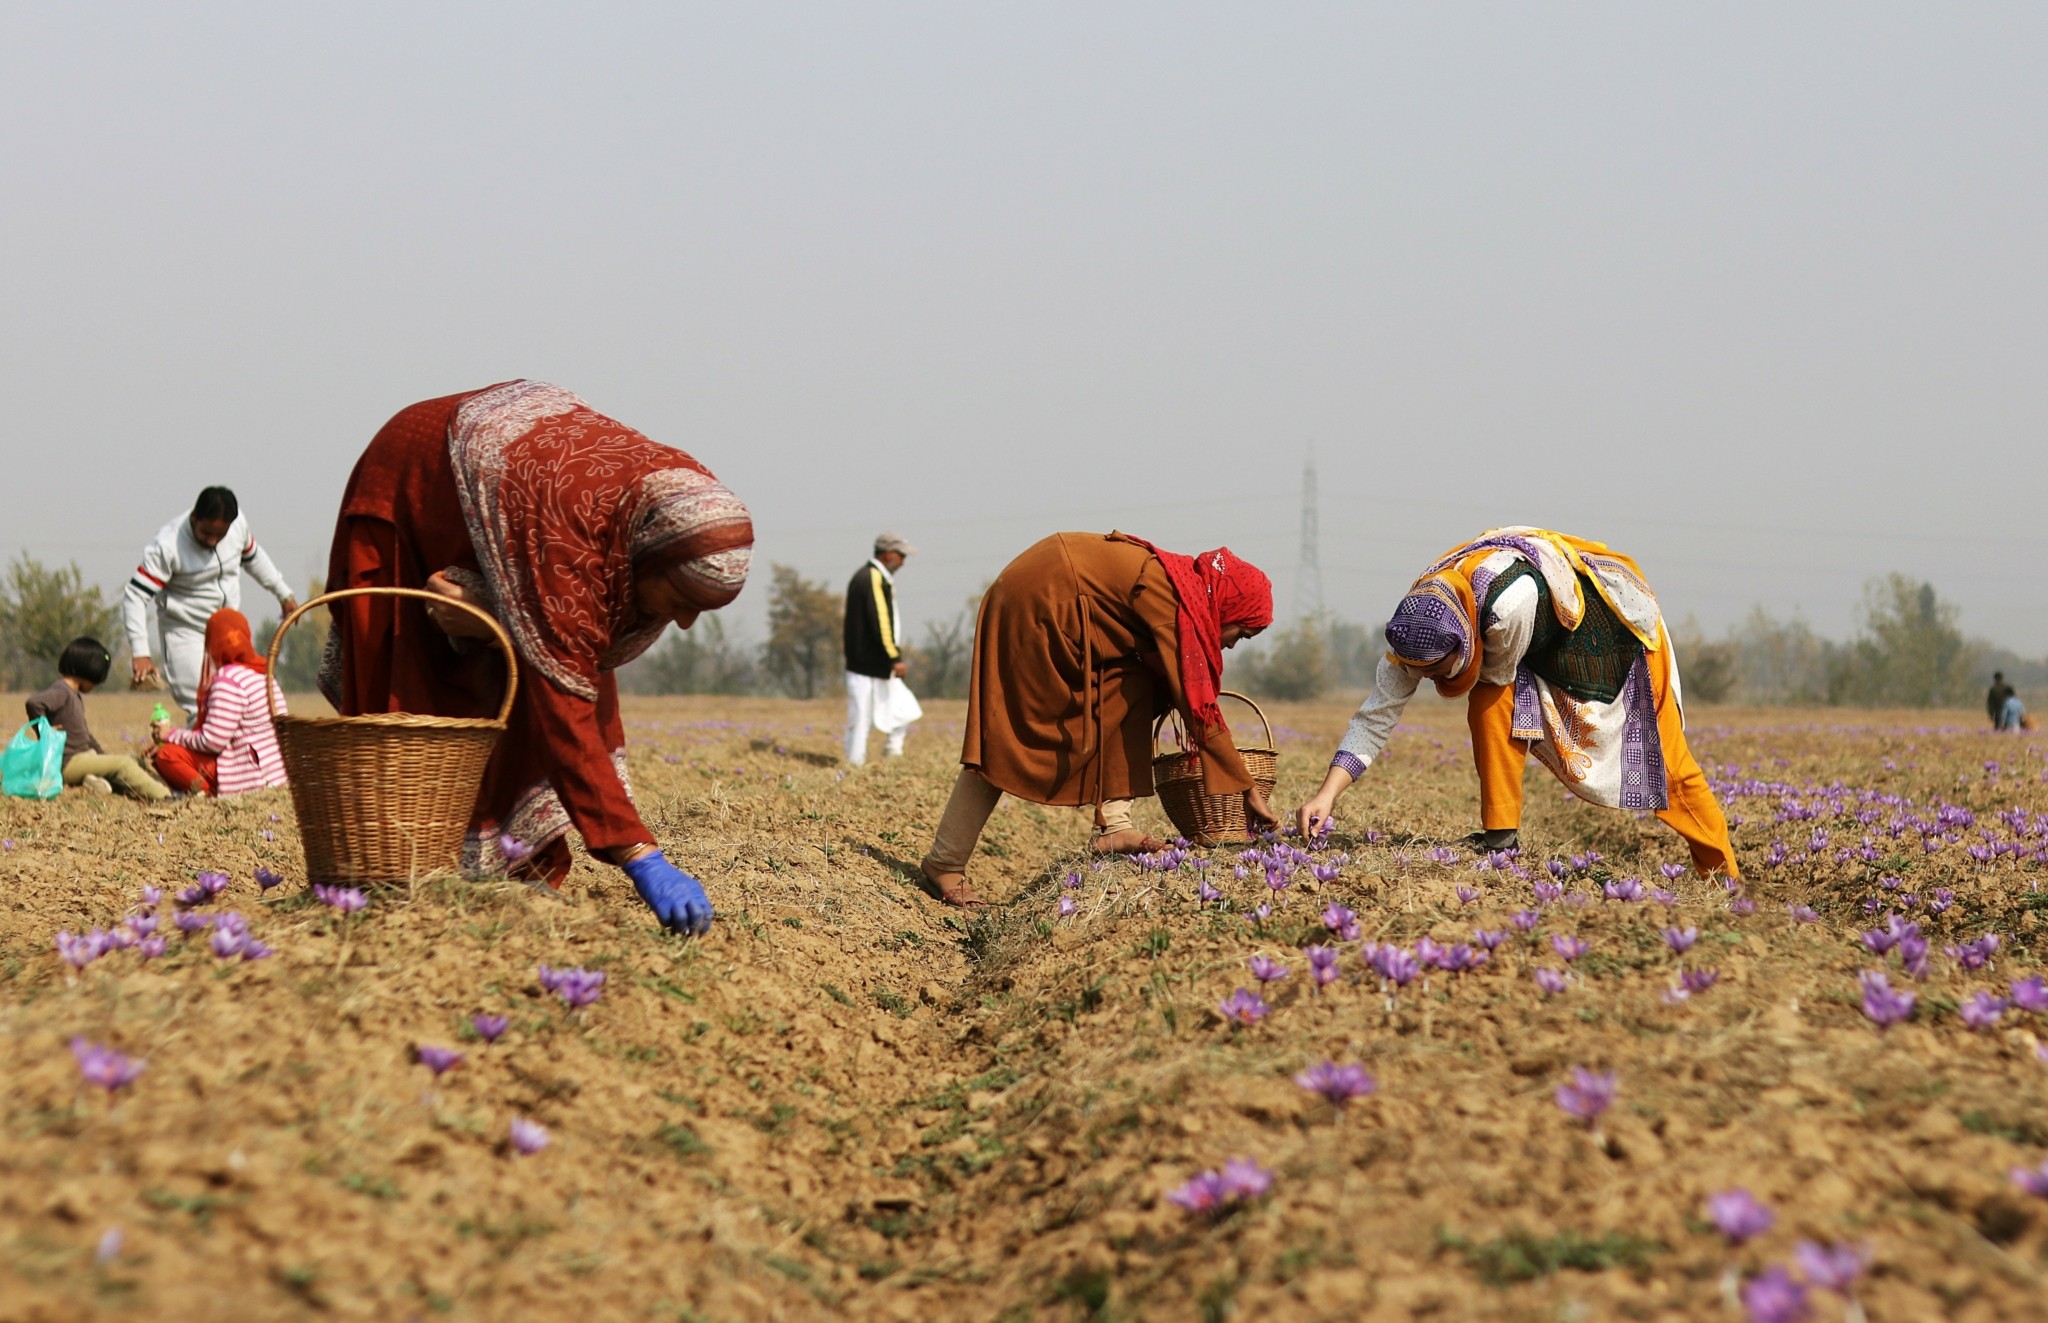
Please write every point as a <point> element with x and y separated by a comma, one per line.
<point>232,747</point>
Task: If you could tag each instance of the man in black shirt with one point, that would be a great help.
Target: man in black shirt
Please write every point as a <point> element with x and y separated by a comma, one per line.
<point>1995,701</point>
<point>876,698</point>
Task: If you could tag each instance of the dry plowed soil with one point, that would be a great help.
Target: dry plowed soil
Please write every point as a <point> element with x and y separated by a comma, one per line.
<point>848,1101</point>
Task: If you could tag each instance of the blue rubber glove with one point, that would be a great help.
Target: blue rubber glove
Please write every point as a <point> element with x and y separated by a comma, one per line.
<point>676,898</point>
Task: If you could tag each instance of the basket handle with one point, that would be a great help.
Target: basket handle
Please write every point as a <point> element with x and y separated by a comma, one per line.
<point>504,640</point>
<point>1245,699</point>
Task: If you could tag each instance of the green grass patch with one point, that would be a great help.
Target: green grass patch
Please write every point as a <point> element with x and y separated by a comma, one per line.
<point>1520,1256</point>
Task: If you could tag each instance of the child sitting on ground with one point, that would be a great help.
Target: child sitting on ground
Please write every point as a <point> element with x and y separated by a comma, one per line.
<point>82,668</point>
<point>231,747</point>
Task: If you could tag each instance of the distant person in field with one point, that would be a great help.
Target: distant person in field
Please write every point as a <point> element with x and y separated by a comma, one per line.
<point>190,569</point>
<point>876,696</point>
<point>1082,643</point>
<point>1559,648</point>
<point>231,746</point>
<point>2003,704</point>
<point>82,668</point>
<point>584,540</point>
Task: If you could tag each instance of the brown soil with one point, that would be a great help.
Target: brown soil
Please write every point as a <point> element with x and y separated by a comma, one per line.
<point>848,1101</point>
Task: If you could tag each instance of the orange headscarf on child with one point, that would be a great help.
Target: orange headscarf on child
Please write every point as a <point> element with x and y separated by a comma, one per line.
<point>228,643</point>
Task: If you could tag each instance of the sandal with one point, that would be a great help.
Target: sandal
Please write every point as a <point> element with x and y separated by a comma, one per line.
<point>953,889</point>
<point>1131,841</point>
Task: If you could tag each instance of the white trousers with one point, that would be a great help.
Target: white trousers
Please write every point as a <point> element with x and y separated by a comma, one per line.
<point>183,658</point>
<point>866,699</point>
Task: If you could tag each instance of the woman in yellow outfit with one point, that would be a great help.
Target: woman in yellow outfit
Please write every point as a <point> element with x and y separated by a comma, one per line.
<point>1560,650</point>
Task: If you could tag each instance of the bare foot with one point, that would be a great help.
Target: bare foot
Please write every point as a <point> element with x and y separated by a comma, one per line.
<point>954,889</point>
<point>1128,841</point>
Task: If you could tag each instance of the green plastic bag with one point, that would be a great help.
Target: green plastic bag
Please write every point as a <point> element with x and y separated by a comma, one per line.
<point>33,766</point>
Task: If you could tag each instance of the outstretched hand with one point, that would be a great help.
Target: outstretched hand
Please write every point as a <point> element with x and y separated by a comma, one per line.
<point>676,898</point>
<point>1313,817</point>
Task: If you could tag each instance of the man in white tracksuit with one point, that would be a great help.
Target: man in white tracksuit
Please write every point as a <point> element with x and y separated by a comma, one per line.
<point>191,569</point>
<point>876,697</point>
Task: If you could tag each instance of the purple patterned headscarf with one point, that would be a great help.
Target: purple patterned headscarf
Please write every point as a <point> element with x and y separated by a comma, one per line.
<point>1426,629</point>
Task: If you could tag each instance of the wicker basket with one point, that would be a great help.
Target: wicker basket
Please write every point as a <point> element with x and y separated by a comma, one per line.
<point>386,797</point>
<point>1177,775</point>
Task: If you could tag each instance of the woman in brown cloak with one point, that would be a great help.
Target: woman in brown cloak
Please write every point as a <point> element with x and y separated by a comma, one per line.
<point>1082,643</point>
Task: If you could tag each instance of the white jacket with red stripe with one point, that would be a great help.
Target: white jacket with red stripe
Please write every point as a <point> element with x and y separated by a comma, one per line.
<point>189,582</point>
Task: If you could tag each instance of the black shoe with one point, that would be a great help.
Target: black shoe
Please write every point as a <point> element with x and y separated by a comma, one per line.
<point>1487,842</point>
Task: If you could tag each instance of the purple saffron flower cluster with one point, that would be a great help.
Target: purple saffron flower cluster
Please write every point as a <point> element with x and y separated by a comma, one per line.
<point>1589,1094</point>
<point>2030,994</point>
<point>1552,981</point>
<point>1624,889</point>
<point>1243,1007</point>
<point>78,952</point>
<point>348,900</point>
<point>1983,1010</point>
<point>1212,1193</point>
<point>1773,1296</point>
<point>1341,921</point>
<point>1323,964</point>
<point>1974,955</point>
<point>1802,913</point>
<point>577,987</point>
<point>1336,1084</point>
<point>1738,1215</point>
<point>1395,965</point>
<point>490,1028</point>
<point>440,1060</point>
<point>104,1067</point>
<point>1884,1005</point>
<point>528,1137</point>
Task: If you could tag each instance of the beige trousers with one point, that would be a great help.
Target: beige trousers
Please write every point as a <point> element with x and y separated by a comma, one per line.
<point>967,811</point>
<point>128,775</point>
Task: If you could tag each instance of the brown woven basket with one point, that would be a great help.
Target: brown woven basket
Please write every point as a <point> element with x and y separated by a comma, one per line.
<point>386,797</point>
<point>1177,775</point>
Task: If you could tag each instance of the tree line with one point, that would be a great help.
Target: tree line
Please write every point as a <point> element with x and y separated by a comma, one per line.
<point>1909,649</point>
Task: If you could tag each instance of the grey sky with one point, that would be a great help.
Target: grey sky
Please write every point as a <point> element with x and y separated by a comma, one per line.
<point>1754,292</point>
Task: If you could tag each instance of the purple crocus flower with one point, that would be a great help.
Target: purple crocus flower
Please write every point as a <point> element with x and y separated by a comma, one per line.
<point>1397,965</point>
<point>1982,1011</point>
<point>149,948</point>
<point>2030,994</point>
<point>1468,895</point>
<point>1742,905</point>
<point>346,899</point>
<point>1267,970</point>
<point>1881,1003</point>
<point>1589,1094</point>
<point>1552,981</point>
<point>194,895</point>
<point>105,1067</point>
<point>1833,1267</point>
<point>188,922</point>
<point>1698,980</point>
<point>1879,941</point>
<point>1941,900</point>
<point>1802,913</point>
<point>109,1247</point>
<point>1772,1296</point>
<point>1525,920</point>
<point>1974,955</point>
<point>265,879</point>
<point>514,849</point>
<point>1567,946</point>
<point>1624,889</point>
<point>440,1060</point>
<point>226,942</point>
<point>1672,872</point>
<point>1207,894</point>
<point>577,987</point>
<point>1069,904</point>
<point>1489,939</point>
<point>1341,921</point>
<point>528,1137</point>
<point>1244,1180</point>
<point>1681,939</point>
<point>1428,954</point>
<point>1202,1194</point>
<point>1243,1007</point>
<point>142,925</point>
<point>1739,1215</point>
<point>152,897</point>
<point>1337,1084</point>
<point>212,883</point>
<point>1546,892</point>
<point>490,1028</point>
<point>1665,898</point>
<point>2034,1180</point>
<point>253,949</point>
<point>78,952</point>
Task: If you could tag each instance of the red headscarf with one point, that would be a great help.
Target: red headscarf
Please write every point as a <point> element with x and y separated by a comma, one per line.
<point>228,643</point>
<point>1215,589</point>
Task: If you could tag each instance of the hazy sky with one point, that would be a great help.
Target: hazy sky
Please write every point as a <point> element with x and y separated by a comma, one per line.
<point>1757,293</point>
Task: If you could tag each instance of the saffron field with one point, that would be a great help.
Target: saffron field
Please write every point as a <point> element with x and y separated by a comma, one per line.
<point>1368,1077</point>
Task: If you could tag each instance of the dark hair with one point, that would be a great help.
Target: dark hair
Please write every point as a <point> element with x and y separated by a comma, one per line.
<point>85,659</point>
<point>216,503</point>
<point>1998,675</point>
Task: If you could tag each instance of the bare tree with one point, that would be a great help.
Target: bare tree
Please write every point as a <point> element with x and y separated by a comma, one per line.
<point>804,647</point>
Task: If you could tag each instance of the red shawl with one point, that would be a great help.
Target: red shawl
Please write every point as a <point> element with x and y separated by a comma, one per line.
<point>561,501</point>
<point>1215,589</point>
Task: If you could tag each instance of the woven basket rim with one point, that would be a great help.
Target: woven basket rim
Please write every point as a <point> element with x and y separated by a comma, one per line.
<point>413,721</point>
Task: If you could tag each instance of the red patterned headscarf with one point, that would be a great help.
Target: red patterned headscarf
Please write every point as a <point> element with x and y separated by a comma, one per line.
<point>564,505</point>
<point>1215,589</point>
